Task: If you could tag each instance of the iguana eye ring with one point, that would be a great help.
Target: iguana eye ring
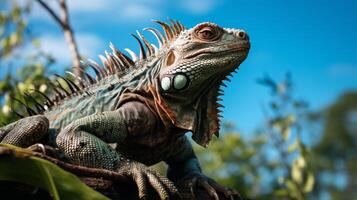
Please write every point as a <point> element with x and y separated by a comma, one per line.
<point>207,32</point>
<point>180,81</point>
<point>165,83</point>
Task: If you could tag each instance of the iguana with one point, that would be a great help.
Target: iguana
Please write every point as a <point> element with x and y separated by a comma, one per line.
<point>144,104</point>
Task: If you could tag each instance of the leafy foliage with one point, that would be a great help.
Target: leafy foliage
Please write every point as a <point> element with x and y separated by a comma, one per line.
<point>32,69</point>
<point>272,164</point>
<point>12,27</point>
<point>336,152</point>
<point>44,174</point>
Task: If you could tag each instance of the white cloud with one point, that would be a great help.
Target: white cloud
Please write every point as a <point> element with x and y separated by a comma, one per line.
<point>138,11</point>
<point>90,45</point>
<point>89,6</point>
<point>56,45</point>
<point>199,6</point>
<point>117,10</point>
<point>74,6</point>
<point>343,70</point>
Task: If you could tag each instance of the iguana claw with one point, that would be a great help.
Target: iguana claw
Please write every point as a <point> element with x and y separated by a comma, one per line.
<point>145,177</point>
<point>212,187</point>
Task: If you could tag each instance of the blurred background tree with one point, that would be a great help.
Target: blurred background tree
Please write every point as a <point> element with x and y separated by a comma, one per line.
<point>335,154</point>
<point>273,162</point>
<point>31,74</point>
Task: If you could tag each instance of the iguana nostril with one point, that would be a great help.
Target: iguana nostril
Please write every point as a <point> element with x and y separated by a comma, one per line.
<point>242,34</point>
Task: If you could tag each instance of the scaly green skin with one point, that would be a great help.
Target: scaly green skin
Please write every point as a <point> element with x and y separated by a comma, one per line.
<point>145,110</point>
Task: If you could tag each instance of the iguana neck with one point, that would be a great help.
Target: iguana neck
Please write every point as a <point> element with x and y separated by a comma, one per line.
<point>198,115</point>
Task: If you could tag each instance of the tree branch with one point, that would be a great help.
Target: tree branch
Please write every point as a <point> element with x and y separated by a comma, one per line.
<point>64,23</point>
<point>110,183</point>
<point>52,13</point>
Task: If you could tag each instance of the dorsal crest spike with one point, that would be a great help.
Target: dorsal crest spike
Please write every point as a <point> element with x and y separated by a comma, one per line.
<point>50,102</point>
<point>62,88</point>
<point>125,59</point>
<point>39,107</point>
<point>76,87</point>
<point>109,64</point>
<point>142,50</point>
<point>156,50</point>
<point>182,27</point>
<point>116,57</point>
<point>106,65</point>
<point>147,44</point>
<point>114,62</point>
<point>120,62</point>
<point>101,70</point>
<point>78,79</point>
<point>90,79</point>
<point>159,37</point>
<point>174,29</point>
<point>28,109</point>
<point>96,71</point>
<point>70,84</point>
<point>118,65</point>
<point>16,113</point>
<point>167,29</point>
<point>57,92</point>
<point>134,57</point>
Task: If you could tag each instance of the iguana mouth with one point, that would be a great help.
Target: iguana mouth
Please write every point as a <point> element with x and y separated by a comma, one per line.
<point>211,51</point>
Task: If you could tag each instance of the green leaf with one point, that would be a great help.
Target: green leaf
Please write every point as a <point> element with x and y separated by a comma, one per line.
<point>310,181</point>
<point>41,173</point>
<point>281,192</point>
<point>286,133</point>
<point>296,173</point>
<point>294,146</point>
<point>36,43</point>
<point>294,190</point>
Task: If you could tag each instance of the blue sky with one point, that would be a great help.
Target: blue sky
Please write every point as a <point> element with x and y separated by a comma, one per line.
<point>314,40</point>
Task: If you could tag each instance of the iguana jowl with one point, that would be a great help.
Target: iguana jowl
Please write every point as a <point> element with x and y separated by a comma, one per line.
<point>145,105</point>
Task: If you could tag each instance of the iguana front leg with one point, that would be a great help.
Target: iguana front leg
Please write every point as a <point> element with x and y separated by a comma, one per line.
<point>184,166</point>
<point>85,142</point>
<point>25,132</point>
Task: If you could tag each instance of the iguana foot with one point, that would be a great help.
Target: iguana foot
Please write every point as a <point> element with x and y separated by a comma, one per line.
<point>212,187</point>
<point>145,177</point>
<point>47,150</point>
<point>38,147</point>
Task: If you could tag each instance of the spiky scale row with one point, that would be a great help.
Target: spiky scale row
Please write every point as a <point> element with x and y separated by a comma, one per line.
<point>112,63</point>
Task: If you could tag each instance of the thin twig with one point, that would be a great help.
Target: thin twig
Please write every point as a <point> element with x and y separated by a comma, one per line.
<point>52,13</point>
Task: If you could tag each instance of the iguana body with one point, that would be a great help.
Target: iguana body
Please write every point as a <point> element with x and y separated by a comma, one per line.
<point>144,106</point>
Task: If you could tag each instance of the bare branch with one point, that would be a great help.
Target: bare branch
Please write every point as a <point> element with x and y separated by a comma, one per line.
<point>52,13</point>
<point>63,21</point>
<point>68,32</point>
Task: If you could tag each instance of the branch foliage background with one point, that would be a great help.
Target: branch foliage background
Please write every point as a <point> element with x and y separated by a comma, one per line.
<point>274,162</point>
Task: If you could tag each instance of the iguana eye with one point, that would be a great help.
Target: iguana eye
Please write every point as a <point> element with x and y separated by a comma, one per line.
<point>207,32</point>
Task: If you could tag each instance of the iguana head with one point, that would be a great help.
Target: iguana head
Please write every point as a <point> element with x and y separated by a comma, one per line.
<point>193,67</point>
